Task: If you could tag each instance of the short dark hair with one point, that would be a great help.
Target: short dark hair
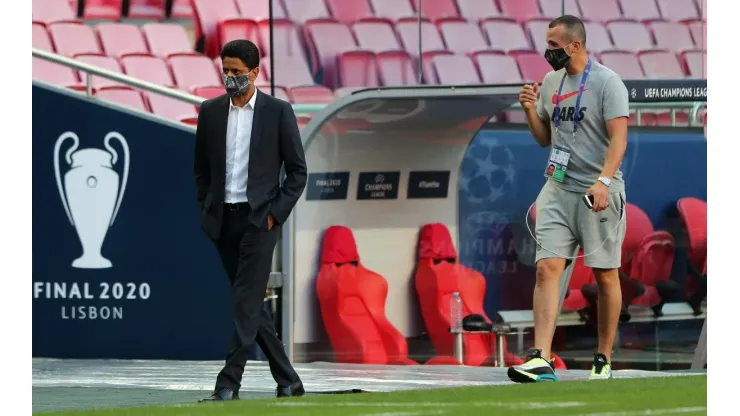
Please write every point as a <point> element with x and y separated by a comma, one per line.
<point>574,28</point>
<point>244,50</point>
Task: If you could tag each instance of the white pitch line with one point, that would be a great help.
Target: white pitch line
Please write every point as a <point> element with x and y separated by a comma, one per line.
<point>424,413</point>
<point>509,405</point>
<point>651,412</point>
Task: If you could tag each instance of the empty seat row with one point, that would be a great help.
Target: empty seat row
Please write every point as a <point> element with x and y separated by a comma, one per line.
<point>112,39</point>
<point>48,11</point>
<point>326,40</point>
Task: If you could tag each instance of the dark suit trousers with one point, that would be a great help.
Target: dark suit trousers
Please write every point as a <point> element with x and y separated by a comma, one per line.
<point>246,253</point>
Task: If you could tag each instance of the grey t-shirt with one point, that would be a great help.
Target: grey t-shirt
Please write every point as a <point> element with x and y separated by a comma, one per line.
<point>605,97</point>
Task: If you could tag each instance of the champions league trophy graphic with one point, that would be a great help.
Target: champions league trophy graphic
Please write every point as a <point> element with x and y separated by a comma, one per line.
<point>90,194</point>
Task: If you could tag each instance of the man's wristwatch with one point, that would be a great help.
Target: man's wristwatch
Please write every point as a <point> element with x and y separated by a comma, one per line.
<point>606,181</point>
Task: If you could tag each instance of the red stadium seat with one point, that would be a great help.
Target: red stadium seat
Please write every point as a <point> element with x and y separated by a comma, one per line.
<point>352,302</point>
<point>462,36</point>
<point>630,35</point>
<point>376,35</point>
<point>625,64</point>
<point>698,32</point>
<point>520,10</point>
<point>475,10</point>
<point>672,36</point>
<point>408,32</point>
<point>506,35</point>
<point>532,66</point>
<point>182,9</point>
<point>661,65</point>
<point>310,94</point>
<point>193,71</point>
<point>40,38</point>
<point>293,71</point>
<point>209,92</point>
<point>598,37</point>
<point>232,29</point>
<point>640,9</point>
<point>537,30</point>
<point>498,69</point>
<point>651,267</point>
<point>208,13</point>
<point>438,9</point>
<point>393,9</point>
<point>396,68</point>
<point>454,70</point>
<point>284,37</point>
<point>166,39</point>
<point>71,39</point>
<point>638,226</point>
<point>599,10</point>
<point>280,92</point>
<point>438,275</point>
<point>106,62</point>
<point>326,40</point>
<point>693,212</point>
<point>149,68</point>
<point>349,11</point>
<point>123,96</point>
<point>102,9</point>
<point>260,9</point>
<point>120,39</point>
<point>55,74</point>
<point>147,9</point>
<point>170,108</point>
<point>358,69</point>
<point>693,62</point>
<point>678,10</point>
<point>50,11</point>
<point>301,11</point>
<point>552,9</point>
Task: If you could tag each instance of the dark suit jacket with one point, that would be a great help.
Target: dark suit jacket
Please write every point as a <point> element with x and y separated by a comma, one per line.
<point>275,142</point>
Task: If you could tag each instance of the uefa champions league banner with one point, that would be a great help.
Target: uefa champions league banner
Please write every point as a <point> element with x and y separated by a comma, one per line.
<point>121,268</point>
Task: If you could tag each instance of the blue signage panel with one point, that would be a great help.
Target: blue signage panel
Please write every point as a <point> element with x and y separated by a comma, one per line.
<point>378,185</point>
<point>121,268</point>
<point>428,184</point>
<point>327,186</point>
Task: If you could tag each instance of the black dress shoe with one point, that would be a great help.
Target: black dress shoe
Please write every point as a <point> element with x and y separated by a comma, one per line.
<point>221,395</point>
<point>294,390</point>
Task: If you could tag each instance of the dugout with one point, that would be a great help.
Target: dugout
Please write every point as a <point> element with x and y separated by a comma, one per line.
<point>368,154</point>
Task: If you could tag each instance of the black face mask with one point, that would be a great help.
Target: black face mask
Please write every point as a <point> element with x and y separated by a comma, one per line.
<point>557,58</point>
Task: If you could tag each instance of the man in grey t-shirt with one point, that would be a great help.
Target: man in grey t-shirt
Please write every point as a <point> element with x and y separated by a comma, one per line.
<point>581,113</point>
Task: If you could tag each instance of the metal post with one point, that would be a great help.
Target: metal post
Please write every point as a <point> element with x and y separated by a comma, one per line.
<point>418,20</point>
<point>700,354</point>
<point>272,52</point>
<point>562,8</point>
<point>458,347</point>
<point>88,84</point>
<point>500,361</point>
<point>288,292</point>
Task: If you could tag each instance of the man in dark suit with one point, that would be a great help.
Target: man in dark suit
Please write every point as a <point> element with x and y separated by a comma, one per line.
<point>243,139</point>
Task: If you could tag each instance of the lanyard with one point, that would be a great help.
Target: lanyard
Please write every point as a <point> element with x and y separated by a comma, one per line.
<point>578,100</point>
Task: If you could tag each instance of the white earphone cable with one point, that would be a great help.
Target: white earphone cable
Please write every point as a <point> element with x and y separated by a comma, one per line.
<point>616,228</point>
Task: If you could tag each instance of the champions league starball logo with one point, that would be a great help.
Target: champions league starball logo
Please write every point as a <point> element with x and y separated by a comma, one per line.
<point>487,181</point>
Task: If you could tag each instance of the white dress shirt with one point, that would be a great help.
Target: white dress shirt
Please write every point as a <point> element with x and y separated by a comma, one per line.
<point>238,139</point>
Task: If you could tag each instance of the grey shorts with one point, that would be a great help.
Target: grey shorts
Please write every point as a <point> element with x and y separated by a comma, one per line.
<point>564,222</point>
